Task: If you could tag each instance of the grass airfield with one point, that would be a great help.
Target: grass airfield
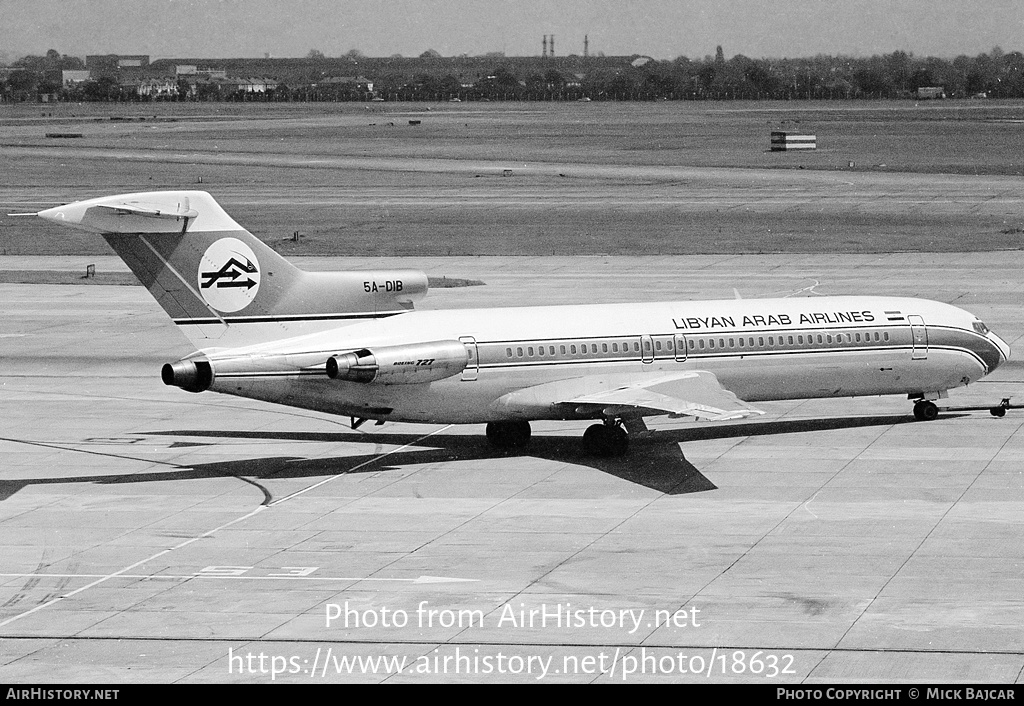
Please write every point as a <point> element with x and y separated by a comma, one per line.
<point>583,178</point>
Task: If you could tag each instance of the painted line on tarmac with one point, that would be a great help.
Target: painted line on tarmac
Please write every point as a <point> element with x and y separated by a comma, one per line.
<point>199,575</point>
<point>209,533</point>
<point>356,468</point>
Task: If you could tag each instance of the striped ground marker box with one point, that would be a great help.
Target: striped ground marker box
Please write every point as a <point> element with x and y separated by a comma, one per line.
<point>786,141</point>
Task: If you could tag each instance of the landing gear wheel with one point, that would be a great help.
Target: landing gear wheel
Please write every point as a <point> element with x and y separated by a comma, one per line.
<point>925,411</point>
<point>998,411</point>
<point>508,435</point>
<point>606,440</point>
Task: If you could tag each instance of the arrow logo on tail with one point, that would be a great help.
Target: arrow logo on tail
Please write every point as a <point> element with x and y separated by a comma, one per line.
<point>233,285</point>
<point>232,270</point>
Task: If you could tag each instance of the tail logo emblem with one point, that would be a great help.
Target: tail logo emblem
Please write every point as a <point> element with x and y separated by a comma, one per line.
<point>229,275</point>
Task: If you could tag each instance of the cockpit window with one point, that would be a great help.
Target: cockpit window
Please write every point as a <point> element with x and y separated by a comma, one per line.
<point>980,327</point>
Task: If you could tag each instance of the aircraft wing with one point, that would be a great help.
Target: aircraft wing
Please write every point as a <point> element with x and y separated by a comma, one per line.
<point>694,393</point>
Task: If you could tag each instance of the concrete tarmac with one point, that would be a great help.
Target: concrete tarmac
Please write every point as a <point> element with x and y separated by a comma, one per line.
<point>152,535</point>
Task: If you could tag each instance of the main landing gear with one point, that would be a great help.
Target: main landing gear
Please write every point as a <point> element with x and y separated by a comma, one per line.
<point>508,435</point>
<point>608,439</point>
<point>925,410</point>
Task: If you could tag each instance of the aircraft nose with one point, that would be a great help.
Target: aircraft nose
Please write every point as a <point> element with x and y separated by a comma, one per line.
<point>1003,346</point>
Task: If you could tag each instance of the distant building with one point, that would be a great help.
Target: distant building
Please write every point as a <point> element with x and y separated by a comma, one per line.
<point>116,61</point>
<point>358,82</point>
<point>931,92</point>
<point>113,65</point>
<point>133,62</point>
<point>166,87</point>
<point>203,84</point>
<point>249,85</point>
<point>69,78</point>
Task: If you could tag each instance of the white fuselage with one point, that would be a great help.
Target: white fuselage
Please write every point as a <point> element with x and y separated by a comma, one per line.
<point>767,349</point>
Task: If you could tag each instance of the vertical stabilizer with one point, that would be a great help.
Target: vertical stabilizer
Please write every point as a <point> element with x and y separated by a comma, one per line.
<point>222,285</point>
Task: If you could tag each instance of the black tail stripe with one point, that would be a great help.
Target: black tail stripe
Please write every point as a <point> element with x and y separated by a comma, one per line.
<point>289,318</point>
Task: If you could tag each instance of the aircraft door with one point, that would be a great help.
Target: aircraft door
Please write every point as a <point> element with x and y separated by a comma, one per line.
<point>919,334</point>
<point>647,348</point>
<point>680,347</point>
<point>473,365</point>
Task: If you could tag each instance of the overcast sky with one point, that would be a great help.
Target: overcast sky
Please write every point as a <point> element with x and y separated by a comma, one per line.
<point>663,29</point>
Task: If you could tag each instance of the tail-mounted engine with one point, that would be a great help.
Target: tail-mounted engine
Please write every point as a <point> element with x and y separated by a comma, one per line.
<point>189,375</point>
<point>400,365</point>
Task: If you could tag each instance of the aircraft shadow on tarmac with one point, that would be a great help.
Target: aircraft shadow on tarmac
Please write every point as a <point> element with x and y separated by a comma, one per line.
<point>656,462</point>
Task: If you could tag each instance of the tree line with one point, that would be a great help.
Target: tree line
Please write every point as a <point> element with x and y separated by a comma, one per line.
<point>996,74</point>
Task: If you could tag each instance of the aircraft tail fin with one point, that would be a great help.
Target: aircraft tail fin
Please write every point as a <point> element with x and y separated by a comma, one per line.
<point>222,285</point>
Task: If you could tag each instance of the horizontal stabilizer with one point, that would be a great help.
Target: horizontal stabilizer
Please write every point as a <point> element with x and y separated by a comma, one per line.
<point>179,212</point>
<point>113,219</point>
<point>144,213</point>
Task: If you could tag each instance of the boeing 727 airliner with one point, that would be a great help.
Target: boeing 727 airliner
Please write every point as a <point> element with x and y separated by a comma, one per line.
<point>350,343</point>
